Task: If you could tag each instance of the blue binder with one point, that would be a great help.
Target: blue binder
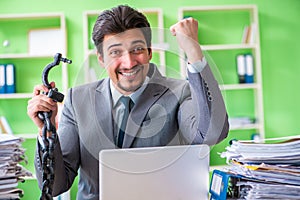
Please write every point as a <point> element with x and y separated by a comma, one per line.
<point>220,184</point>
<point>249,68</point>
<point>2,79</point>
<point>10,78</point>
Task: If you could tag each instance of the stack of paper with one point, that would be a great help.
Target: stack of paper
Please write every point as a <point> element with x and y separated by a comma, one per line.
<point>11,172</point>
<point>270,170</point>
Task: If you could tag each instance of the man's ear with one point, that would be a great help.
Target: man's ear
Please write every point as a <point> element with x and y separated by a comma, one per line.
<point>100,59</point>
<point>150,53</point>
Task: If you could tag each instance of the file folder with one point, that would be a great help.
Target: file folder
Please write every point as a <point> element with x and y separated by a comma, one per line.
<point>2,79</point>
<point>5,125</point>
<point>221,185</point>
<point>249,68</point>
<point>10,78</point>
<point>241,68</point>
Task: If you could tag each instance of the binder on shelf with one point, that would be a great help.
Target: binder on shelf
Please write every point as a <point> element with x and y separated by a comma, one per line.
<point>1,128</point>
<point>241,68</point>
<point>245,68</point>
<point>249,68</point>
<point>10,78</point>
<point>246,33</point>
<point>249,34</point>
<point>5,126</point>
<point>2,79</point>
<point>252,33</point>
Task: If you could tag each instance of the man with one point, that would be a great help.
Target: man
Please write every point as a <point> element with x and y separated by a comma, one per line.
<point>164,111</point>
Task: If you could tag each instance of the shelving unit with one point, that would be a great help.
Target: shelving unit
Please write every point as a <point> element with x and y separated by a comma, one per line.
<point>28,65</point>
<point>15,28</point>
<point>220,35</point>
<point>91,66</point>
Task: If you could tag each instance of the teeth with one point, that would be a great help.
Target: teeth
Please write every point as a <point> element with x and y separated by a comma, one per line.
<point>129,74</point>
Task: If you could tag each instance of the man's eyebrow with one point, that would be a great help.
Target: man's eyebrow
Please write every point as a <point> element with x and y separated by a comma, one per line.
<point>120,44</point>
<point>138,41</point>
<point>114,45</point>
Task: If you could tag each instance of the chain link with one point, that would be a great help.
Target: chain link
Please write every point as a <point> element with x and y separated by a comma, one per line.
<point>49,136</point>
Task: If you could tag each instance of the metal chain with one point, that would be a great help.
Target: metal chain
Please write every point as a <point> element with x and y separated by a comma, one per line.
<point>49,136</point>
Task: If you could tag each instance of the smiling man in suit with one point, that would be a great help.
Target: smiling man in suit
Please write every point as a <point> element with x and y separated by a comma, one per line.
<point>160,111</point>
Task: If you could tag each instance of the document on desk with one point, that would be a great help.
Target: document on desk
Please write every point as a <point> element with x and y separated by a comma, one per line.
<point>11,153</point>
<point>270,191</point>
<point>287,152</point>
<point>270,169</point>
<point>11,193</point>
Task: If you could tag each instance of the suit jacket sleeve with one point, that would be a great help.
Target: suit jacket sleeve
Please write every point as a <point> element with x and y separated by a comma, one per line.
<point>204,114</point>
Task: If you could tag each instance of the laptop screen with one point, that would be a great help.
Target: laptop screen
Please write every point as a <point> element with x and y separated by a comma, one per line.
<point>166,173</point>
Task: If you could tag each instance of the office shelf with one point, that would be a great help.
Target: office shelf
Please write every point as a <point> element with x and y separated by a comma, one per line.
<point>221,30</point>
<point>228,23</point>
<point>15,29</point>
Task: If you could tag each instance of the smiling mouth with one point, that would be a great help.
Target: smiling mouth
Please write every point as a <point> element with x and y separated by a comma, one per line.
<point>130,73</point>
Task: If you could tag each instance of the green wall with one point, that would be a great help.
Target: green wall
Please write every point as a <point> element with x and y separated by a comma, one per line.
<point>280,46</point>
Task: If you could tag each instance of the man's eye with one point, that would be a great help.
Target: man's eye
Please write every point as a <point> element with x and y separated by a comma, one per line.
<point>115,53</point>
<point>138,50</point>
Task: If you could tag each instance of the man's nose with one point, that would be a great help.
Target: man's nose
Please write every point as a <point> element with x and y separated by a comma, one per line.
<point>128,60</point>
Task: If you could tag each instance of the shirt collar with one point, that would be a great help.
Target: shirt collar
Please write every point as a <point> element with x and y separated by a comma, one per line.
<point>116,95</point>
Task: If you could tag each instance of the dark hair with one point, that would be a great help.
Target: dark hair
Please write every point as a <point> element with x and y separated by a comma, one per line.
<point>117,20</point>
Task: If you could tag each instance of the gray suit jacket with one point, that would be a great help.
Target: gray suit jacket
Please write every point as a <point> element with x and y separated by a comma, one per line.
<point>168,112</point>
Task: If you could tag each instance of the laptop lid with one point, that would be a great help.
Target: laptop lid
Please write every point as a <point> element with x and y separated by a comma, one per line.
<point>160,173</point>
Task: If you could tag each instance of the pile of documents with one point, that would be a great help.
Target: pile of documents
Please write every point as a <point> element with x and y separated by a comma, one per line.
<point>11,172</point>
<point>269,170</point>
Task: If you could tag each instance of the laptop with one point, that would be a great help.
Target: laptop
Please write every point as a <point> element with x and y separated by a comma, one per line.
<point>155,173</point>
